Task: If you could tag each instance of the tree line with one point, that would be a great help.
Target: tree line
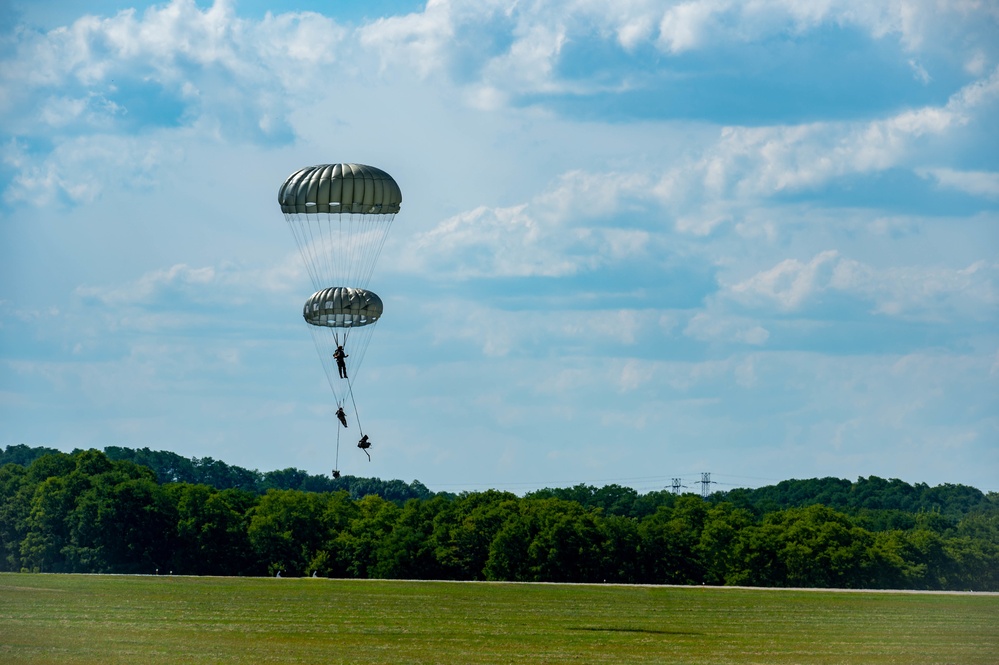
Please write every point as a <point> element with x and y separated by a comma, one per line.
<point>172,468</point>
<point>104,512</point>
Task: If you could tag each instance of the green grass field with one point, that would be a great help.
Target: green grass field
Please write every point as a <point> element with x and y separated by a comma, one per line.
<point>147,620</point>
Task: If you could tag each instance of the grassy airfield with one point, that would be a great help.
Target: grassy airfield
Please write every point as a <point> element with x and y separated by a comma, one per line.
<point>69,619</point>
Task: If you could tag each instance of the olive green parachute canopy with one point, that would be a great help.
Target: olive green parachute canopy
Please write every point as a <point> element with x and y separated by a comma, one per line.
<point>344,316</point>
<point>353,188</point>
<point>342,307</point>
<point>340,215</point>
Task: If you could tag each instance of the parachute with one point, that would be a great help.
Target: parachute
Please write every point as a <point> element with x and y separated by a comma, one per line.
<point>340,215</point>
<point>336,315</point>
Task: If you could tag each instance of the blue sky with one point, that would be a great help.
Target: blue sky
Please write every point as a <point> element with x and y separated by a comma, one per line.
<point>638,240</point>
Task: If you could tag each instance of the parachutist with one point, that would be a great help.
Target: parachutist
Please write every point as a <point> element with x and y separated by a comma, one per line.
<point>336,474</point>
<point>364,444</point>
<point>339,356</point>
<point>342,416</point>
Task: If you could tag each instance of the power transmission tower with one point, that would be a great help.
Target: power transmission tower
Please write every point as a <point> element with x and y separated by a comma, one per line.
<point>677,485</point>
<point>705,485</point>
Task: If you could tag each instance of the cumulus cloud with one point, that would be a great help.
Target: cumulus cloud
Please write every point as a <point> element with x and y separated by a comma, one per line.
<point>578,223</point>
<point>919,292</point>
<point>762,161</point>
<point>221,285</point>
<point>562,231</point>
<point>693,24</point>
<point>509,49</point>
<point>976,183</point>
<point>789,283</point>
<point>220,75</point>
<point>525,58</point>
<point>710,326</point>
<point>209,61</point>
<point>501,332</point>
<point>79,169</point>
<point>150,284</point>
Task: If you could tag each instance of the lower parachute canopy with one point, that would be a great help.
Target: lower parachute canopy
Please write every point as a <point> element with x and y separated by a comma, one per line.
<point>342,316</point>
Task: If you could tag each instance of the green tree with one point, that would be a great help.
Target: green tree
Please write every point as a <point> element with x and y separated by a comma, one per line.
<point>670,538</point>
<point>212,531</point>
<point>407,550</point>
<point>23,455</point>
<point>974,564</point>
<point>462,536</point>
<point>361,546</point>
<point>621,545</point>
<point>47,533</point>
<point>121,521</point>
<point>805,547</point>
<point>338,512</point>
<point>286,530</point>
<point>716,547</point>
<point>547,540</point>
<point>15,506</point>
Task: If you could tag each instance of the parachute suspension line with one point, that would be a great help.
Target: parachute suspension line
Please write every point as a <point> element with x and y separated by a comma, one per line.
<point>298,232</point>
<point>362,348</point>
<point>381,243</point>
<point>374,226</point>
<point>347,249</point>
<point>357,416</point>
<point>363,259</point>
<point>336,457</point>
<point>353,246</point>
<point>340,249</point>
<point>374,229</point>
<point>328,256</point>
<point>316,255</point>
<point>332,253</point>
<point>319,244</point>
<point>320,337</point>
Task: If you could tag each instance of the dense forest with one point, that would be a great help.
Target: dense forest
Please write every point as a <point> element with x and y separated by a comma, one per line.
<point>140,511</point>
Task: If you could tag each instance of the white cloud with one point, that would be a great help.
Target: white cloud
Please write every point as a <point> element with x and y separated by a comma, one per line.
<point>560,232</point>
<point>518,332</point>
<point>753,162</point>
<point>921,292</point>
<point>919,72</point>
<point>79,170</point>
<point>977,183</point>
<point>502,48</point>
<point>227,284</point>
<point>213,62</point>
<point>789,283</point>
<point>493,242</point>
<point>225,75</point>
<point>575,224</point>
<point>150,284</point>
<point>695,24</point>
<point>935,293</point>
<point>716,327</point>
<point>417,40</point>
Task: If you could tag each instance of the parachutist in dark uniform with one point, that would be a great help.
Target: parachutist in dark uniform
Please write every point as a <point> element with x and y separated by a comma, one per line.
<point>364,444</point>
<point>336,474</point>
<point>339,356</point>
<point>341,416</point>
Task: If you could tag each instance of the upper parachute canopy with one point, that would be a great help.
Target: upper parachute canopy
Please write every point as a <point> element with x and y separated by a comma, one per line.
<point>340,188</point>
<point>342,307</point>
<point>340,216</point>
